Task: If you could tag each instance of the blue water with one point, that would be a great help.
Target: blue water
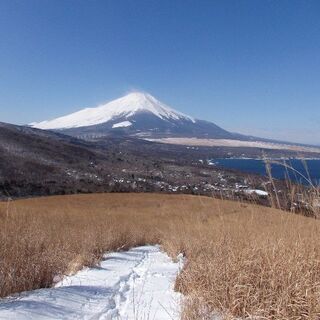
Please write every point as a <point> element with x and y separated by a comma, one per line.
<point>278,171</point>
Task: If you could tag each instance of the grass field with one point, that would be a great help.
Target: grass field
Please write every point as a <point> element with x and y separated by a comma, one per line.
<point>242,260</point>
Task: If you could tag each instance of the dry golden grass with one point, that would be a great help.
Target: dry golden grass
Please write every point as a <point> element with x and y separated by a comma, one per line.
<point>299,198</point>
<point>242,260</point>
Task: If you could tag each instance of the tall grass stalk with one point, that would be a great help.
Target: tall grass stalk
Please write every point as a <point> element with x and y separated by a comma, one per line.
<point>307,196</point>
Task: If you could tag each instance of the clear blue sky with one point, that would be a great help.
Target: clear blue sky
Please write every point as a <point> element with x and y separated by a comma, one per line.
<point>249,66</point>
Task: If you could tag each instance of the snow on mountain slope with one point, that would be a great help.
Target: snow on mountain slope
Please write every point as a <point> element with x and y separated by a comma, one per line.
<point>123,124</point>
<point>125,107</point>
<point>129,285</point>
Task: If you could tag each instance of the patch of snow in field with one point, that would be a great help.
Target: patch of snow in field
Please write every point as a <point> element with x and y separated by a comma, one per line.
<point>135,284</point>
<point>258,192</point>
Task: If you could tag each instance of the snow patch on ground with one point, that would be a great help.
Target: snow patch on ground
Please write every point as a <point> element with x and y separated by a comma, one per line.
<point>257,191</point>
<point>123,124</point>
<point>130,285</point>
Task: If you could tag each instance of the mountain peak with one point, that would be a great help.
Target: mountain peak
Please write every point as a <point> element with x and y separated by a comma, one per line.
<point>124,107</point>
<point>138,95</point>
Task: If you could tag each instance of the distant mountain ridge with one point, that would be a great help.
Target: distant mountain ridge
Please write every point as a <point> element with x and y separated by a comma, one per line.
<point>125,107</point>
<point>138,114</point>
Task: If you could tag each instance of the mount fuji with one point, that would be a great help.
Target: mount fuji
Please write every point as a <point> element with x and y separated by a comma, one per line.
<point>136,114</point>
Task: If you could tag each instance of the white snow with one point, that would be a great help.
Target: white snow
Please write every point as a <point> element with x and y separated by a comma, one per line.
<point>130,285</point>
<point>126,106</point>
<point>257,191</point>
<point>122,124</point>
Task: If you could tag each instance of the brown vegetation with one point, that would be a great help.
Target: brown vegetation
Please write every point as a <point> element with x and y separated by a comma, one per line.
<point>242,260</point>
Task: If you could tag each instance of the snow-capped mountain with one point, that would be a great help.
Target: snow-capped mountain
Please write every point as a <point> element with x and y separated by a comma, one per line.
<point>125,107</point>
<point>136,114</point>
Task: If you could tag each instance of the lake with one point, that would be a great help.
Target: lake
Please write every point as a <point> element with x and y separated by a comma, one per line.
<point>278,171</point>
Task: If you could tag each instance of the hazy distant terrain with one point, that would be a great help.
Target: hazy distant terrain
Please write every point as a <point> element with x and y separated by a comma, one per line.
<point>238,143</point>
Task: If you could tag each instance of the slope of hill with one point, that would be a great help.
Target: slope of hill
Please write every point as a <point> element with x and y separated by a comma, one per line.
<point>243,261</point>
<point>37,162</point>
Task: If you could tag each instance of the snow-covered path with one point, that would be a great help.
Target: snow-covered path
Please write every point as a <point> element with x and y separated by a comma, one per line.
<point>131,285</point>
